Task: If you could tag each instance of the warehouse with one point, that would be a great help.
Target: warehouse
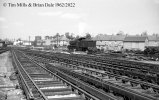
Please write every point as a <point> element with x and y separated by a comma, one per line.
<point>135,42</point>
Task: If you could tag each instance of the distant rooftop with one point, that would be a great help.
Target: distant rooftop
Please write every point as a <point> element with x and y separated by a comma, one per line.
<point>109,38</point>
<point>153,38</point>
<point>135,39</point>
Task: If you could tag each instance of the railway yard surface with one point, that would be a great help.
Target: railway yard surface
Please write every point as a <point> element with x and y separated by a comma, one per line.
<point>63,76</point>
<point>8,89</point>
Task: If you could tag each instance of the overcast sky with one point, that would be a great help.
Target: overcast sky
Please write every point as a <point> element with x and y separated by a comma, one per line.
<point>93,16</point>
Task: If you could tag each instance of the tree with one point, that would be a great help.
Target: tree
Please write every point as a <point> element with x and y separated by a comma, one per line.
<point>120,33</point>
<point>155,34</point>
<point>57,36</point>
<point>77,37</point>
<point>69,36</point>
<point>47,37</point>
<point>19,39</point>
<point>100,34</point>
<point>88,36</point>
<point>144,33</point>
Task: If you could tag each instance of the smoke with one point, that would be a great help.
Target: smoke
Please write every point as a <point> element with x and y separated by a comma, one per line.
<point>81,28</point>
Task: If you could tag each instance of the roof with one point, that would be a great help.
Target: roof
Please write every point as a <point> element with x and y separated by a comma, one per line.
<point>64,38</point>
<point>109,38</point>
<point>153,38</point>
<point>135,39</point>
<point>102,37</point>
<point>118,38</point>
<point>27,41</point>
<point>100,43</point>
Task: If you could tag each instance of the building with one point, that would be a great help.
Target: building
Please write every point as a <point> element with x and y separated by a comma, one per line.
<point>102,41</point>
<point>135,42</point>
<point>119,42</point>
<point>60,41</point>
<point>37,38</point>
<point>47,37</point>
<point>27,43</point>
<point>38,41</point>
<point>47,42</point>
<point>153,41</point>
<point>109,42</point>
<point>116,42</point>
<point>63,41</point>
<point>18,42</point>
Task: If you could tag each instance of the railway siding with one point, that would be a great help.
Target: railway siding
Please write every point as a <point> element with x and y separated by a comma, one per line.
<point>46,85</point>
<point>56,59</point>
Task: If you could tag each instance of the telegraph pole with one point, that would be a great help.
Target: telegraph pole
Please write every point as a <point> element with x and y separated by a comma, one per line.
<point>29,40</point>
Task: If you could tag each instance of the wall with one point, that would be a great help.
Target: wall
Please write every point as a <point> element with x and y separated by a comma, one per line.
<point>63,43</point>
<point>26,43</point>
<point>152,43</point>
<point>47,42</point>
<point>134,45</point>
<point>110,45</point>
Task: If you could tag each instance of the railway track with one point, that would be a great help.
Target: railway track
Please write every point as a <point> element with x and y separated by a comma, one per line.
<point>41,84</point>
<point>117,68</point>
<point>134,73</point>
<point>130,88</point>
<point>112,66</point>
<point>134,85</point>
<point>143,67</point>
<point>2,50</point>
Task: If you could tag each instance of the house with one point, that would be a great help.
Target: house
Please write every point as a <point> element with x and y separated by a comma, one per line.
<point>109,42</point>
<point>38,41</point>
<point>102,41</point>
<point>153,41</point>
<point>26,43</point>
<point>116,42</point>
<point>47,42</point>
<point>64,41</point>
<point>18,42</point>
<point>135,42</point>
<point>60,41</point>
<point>38,38</point>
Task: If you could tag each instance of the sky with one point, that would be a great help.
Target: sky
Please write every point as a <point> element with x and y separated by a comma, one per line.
<point>88,16</point>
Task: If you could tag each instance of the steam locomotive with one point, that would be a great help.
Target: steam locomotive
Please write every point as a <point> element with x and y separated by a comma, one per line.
<point>81,44</point>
